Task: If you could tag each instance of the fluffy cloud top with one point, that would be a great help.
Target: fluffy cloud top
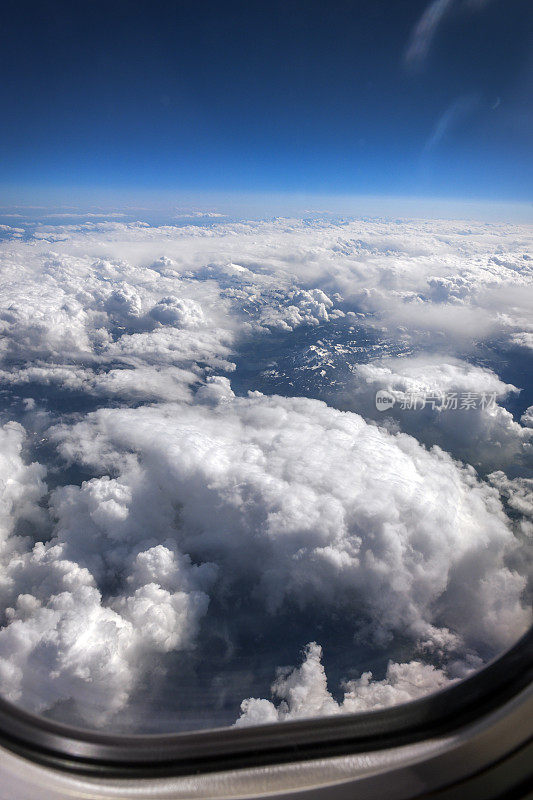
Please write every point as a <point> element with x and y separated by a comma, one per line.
<point>315,505</point>
<point>161,516</point>
<point>303,691</point>
<point>445,401</point>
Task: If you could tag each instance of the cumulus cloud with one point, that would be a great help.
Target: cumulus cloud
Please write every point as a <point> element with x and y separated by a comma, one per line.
<point>438,281</point>
<point>63,639</point>
<point>300,307</point>
<point>21,488</point>
<point>175,311</point>
<point>303,692</point>
<point>159,515</point>
<point>62,642</point>
<point>102,327</point>
<point>318,507</point>
<point>523,339</point>
<point>518,491</point>
<point>444,401</point>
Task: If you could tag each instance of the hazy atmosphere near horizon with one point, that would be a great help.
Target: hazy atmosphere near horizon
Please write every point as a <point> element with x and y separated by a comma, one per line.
<point>266,351</point>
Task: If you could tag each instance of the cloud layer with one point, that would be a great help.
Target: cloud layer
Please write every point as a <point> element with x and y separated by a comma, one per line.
<point>196,482</point>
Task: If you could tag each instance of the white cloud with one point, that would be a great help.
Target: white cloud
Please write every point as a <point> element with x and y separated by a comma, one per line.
<point>518,491</point>
<point>182,500</point>
<point>523,339</point>
<point>302,692</point>
<point>432,403</point>
<point>61,641</point>
<point>318,506</point>
<point>299,307</point>
<point>175,311</point>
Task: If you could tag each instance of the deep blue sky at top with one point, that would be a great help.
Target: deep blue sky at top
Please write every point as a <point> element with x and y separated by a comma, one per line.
<point>331,96</point>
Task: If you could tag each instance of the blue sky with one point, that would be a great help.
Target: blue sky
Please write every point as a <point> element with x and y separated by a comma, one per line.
<point>389,97</point>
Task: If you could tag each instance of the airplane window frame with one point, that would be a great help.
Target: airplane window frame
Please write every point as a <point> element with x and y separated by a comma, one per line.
<point>89,753</point>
